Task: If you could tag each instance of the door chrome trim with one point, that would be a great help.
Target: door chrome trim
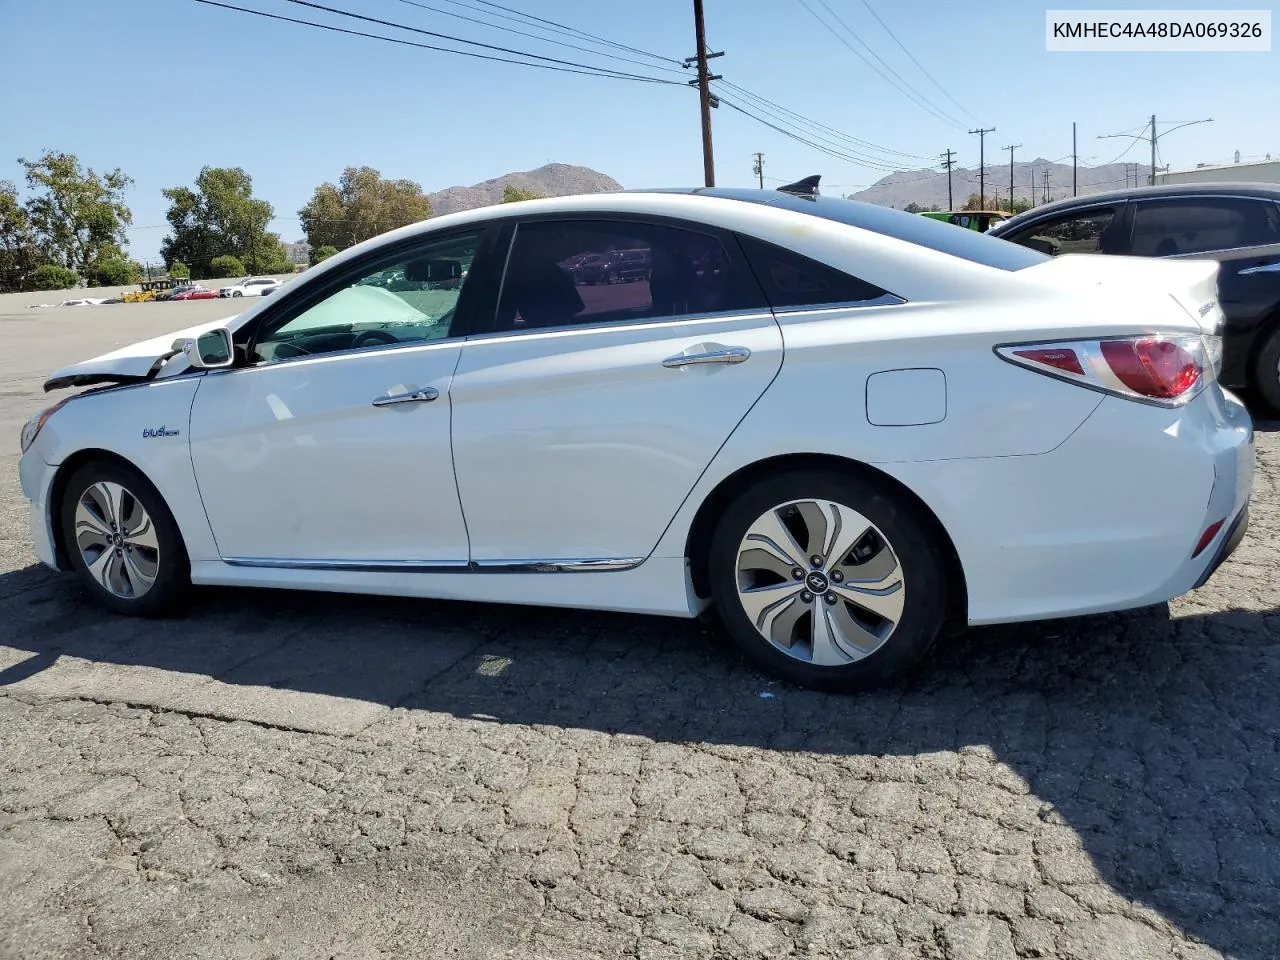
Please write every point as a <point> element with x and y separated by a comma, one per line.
<point>424,395</point>
<point>352,566</point>
<point>727,355</point>
<point>556,566</point>
<point>592,565</point>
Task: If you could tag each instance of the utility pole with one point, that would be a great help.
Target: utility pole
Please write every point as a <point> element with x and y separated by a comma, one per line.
<point>948,163</point>
<point>1011,149</point>
<point>1154,137</point>
<point>1044,180</point>
<point>758,169</point>
<point>982,137</point>
<point>1033,186</point>
<point>1075,160</point>
<point>703,83</point>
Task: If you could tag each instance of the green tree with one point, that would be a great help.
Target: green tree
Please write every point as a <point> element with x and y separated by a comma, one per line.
<point>179,270</point>
<point>226,266</point>
<point>112,272</point>
<point>19,255</point>
<point>516,194</point>
<point>50,276</point>
<point>322,254</point>
<point>78,215</point>
<point>220,217</point>
<point>361,205</point>
<point>912,207</point>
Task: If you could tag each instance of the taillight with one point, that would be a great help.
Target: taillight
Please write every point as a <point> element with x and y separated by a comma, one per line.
<point>1168,369</point>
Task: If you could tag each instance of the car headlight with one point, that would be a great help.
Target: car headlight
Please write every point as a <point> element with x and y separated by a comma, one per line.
<point>32,428</point>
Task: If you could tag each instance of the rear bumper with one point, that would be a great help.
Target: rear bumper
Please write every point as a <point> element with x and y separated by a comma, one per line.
<point>1235,533</point>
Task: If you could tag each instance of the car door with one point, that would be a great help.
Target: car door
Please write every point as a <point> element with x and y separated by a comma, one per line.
<point>585,417</point>
<point>330,447</point>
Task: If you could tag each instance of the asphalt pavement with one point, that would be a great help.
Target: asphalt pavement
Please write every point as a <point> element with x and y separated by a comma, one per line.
<point>284,775</point>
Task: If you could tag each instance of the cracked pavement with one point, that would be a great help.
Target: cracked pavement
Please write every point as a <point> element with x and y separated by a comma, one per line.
<point>284,775</point>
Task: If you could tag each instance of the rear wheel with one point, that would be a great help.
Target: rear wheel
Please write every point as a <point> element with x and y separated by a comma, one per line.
<point>1266,372</point>
<point>122,541</point>
<point>830,580</point>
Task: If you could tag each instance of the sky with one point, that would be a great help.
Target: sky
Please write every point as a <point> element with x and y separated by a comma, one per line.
<point>160,88</point>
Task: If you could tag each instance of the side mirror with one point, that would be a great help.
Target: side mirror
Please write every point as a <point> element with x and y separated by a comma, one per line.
<point>209,351</point>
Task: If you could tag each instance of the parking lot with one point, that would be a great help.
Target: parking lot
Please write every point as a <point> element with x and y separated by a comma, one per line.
<point>288,775</point>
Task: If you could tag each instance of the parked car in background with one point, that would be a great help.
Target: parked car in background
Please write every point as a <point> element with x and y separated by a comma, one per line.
<point>173,292</point>
<point>198,293</point>
<point>848,427</point>
<point>979,220</point>
<point>250,287</point>
<point>1235,224</point>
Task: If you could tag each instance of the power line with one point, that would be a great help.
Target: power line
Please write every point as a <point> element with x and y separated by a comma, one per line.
<point>920,65</point>
<point>588,71</point>
<point>565,29</point>
<point>901,86</point>
<point>534,36</point>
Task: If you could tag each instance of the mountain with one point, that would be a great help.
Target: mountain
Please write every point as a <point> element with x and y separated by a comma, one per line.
<point>929,188</point>
<point>552,180</point>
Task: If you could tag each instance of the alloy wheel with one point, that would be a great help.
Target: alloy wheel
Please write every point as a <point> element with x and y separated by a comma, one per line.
<point>117,540</point>
<point>820,582</point>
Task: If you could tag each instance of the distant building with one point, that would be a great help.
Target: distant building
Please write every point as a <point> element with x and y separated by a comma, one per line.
<point>299,252</point>
<point>1262,171</point>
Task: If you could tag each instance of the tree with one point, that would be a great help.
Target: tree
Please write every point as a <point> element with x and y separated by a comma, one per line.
<point>18,253</point>
<point>361,205</point>
<point>322,254</point>
<point>226,266</point>
<point>219,218</point>
<point>50,276</point>
<point>78,215</point>
<point>516,194</point>
<point>179,270</point>
<point>913,207</point>
<point>112,272</point>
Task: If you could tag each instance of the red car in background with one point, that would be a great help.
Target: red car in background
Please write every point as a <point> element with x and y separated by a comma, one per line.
<point>196,295</point>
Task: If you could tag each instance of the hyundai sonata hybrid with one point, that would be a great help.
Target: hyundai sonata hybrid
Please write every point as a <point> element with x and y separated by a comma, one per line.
<point>838,426</point>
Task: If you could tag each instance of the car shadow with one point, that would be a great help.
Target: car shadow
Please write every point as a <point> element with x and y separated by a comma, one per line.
<point>1153,738</point>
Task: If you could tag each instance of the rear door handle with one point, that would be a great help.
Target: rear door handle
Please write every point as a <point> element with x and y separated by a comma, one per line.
<point>413,396</point>
<point>1273,267</point>
<point>722,355</point>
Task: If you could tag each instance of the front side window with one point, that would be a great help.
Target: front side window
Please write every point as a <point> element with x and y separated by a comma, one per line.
<point>1087,232</point>
<point>1165,228</point>
<point>564,273</point>
<point>409,300</point>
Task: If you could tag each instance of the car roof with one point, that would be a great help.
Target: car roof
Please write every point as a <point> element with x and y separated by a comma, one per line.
<point>1261,191</point>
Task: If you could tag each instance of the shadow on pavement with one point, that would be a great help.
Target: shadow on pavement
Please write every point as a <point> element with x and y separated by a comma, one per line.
<point>1157,740</point>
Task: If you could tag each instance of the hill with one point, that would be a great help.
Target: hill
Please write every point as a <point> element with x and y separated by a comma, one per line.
<point>552,180</point>
<point>929,188</point>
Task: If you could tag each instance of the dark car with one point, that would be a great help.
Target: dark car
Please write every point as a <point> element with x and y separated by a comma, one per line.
<point>1237,224</point>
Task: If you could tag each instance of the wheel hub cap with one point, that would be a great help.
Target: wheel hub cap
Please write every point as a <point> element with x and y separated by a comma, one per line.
<point>117,540</point>
<point>820,582</point>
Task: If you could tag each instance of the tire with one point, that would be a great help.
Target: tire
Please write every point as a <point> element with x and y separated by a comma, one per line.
<point>145,540</point>
<point>236,293</point>
<point>858,647</point>
<point>1266,373</point>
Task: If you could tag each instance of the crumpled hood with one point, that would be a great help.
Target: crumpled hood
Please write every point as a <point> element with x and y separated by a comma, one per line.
<point>137,362</point>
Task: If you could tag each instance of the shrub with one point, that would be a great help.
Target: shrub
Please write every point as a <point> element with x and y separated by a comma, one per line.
<point>179,270</point>
<point>113,272</point>
<point>279,266</point>
<point>49,276</point>
<point>322,254</point>
<point>226,267</point>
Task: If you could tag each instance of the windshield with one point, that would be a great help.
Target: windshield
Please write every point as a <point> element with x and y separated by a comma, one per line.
<point>924,231</point>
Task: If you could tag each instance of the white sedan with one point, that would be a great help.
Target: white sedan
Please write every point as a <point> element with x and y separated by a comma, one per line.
<point>251,287</point>
<point>840,426</point>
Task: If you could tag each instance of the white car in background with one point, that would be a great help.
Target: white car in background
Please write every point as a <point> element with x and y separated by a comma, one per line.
<point>251,287</point>
<point>839,425</point>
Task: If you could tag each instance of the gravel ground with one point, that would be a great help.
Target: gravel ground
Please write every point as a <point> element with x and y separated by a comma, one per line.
<point>293,776</point>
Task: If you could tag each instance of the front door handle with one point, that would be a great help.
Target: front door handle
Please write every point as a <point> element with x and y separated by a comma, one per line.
<point>1273,267</point>
<point>413,396</point>
<point>721,355</point>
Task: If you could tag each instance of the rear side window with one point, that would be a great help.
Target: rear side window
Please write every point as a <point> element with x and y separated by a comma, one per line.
<point>792,280</point>
<point>1165,228</point>
<point>570,272</point>
<point>1087,231</point>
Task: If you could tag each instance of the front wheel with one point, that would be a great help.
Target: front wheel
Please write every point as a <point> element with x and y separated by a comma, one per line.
<point>236,293</point>
<point>830,580</point>
<point>122,540</point>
